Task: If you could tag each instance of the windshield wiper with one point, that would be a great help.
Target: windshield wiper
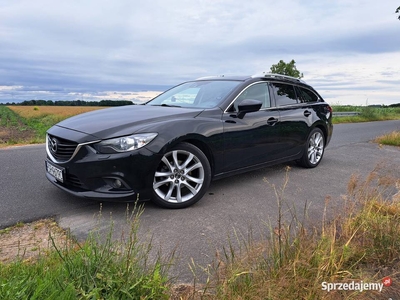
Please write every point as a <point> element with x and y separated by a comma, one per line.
<point>166,105</point>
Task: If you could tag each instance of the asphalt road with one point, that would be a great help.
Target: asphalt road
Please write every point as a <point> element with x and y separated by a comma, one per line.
<point>232,206</point>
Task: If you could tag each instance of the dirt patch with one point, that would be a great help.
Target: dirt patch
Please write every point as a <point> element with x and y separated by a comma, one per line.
<point>29,241</point>
<point>189,292</point>
<point>13,135</point>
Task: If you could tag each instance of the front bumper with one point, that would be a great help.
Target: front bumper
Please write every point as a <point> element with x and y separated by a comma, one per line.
<point>123,197</point>
<point>112,177</point>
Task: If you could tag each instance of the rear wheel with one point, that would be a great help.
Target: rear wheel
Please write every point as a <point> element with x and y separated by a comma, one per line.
<point>182,177</point>
<point>314,149</point>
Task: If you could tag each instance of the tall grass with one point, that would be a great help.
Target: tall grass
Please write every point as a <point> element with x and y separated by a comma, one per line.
<point>100,268</point>
<point>392,138</point>
<point>360,243</point>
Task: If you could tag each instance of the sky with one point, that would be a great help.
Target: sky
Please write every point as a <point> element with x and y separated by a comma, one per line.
<point>348,50</point>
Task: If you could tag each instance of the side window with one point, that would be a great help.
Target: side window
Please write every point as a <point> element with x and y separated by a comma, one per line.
<point>284,94</point>
<point>306,95</point>
<point>257,91</point>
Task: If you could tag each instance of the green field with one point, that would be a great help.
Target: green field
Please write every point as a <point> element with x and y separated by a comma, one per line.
<point>28,124</point>
<point>367,114</point>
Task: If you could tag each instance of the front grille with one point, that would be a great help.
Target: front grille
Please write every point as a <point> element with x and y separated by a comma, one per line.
<point>61,149</point>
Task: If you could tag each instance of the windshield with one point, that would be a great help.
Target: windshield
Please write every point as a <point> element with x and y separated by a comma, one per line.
<point>196,94</point>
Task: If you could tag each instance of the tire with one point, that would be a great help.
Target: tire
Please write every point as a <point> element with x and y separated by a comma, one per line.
<point>314,149</point>
<point>182,177</point>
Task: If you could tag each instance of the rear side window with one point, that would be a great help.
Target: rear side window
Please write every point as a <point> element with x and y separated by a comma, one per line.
<point>284,94</point>
<point>306,96</point>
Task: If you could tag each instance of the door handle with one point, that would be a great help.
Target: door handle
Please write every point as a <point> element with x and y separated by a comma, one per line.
<point>272,121</point>
<point>307,113</point>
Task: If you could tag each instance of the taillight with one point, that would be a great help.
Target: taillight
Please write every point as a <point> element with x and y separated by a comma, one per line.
<point>329,108</point>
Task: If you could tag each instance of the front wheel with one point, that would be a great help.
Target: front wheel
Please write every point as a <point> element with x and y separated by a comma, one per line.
<point>182,177</point>
<point>314,149</point>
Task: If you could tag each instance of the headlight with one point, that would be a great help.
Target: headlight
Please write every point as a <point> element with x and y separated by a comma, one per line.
<point>125,143</point>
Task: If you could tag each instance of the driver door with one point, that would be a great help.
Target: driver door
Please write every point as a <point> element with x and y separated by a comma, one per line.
<point>254,139</point>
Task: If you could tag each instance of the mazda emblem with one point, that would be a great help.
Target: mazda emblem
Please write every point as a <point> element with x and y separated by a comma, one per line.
<point>54,145</point>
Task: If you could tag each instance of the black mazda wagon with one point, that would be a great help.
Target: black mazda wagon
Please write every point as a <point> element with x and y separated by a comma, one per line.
<point>170,148</point>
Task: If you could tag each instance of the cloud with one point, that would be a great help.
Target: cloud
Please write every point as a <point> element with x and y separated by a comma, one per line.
<point>94,48</point>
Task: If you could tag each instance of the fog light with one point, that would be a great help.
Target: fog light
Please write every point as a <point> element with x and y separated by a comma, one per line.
<point>117,183</point>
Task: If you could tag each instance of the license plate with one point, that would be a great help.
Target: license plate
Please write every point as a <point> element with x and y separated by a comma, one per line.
<point>56,172</point>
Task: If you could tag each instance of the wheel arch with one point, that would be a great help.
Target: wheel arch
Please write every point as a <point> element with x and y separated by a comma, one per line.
<point>324,131</point>
<point>204,148</point>
<point>196,140</point>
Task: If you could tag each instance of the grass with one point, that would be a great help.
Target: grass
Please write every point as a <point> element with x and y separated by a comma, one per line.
<point>294,260</point>
<point>8,118</point>
<point>367,114</point>
<point>99,268</point>
<point>392,139</point>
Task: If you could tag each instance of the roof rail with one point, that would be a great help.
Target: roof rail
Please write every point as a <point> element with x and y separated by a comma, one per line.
<point>278,76</point>
<point>211,77</point>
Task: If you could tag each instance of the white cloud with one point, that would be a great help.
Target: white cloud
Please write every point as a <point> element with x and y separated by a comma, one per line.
<point>93,47</point>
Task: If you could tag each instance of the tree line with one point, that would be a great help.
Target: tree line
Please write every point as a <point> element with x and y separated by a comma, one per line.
<point>72,103</point>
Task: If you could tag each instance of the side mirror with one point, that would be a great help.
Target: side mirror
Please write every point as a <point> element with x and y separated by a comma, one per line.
<point>248,106</point>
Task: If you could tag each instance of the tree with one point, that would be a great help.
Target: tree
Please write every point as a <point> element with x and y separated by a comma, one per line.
<point>397,12</point>
<point>288,69</point>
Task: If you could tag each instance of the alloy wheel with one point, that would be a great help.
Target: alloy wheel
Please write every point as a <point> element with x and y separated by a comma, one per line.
<point>315,148</point>
<point>179,177</point>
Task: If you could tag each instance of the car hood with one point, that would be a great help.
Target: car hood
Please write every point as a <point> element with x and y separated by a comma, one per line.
<point>123,120</point>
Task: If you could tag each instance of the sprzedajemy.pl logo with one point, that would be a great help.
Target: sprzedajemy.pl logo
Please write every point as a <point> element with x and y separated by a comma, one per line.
<point>356,285</point>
